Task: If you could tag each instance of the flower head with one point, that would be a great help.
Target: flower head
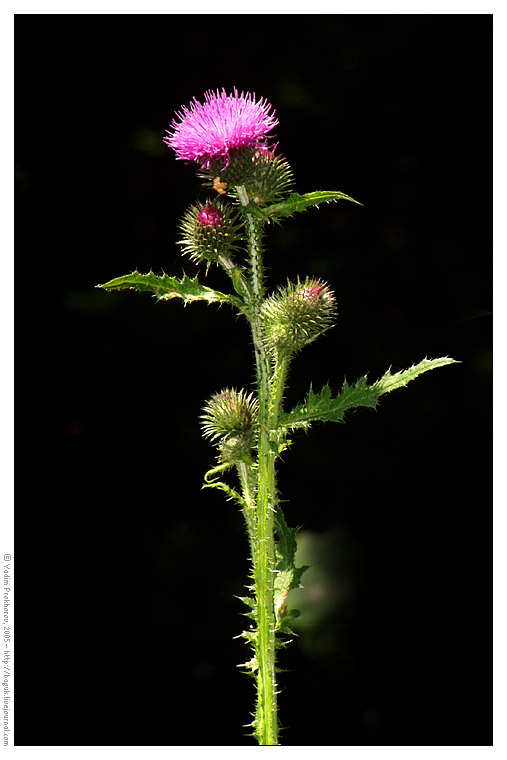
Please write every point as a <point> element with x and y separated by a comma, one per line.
<point>297,314</point>
<point>230,420</point>
<point>210,232</point>
<point>223,123</point>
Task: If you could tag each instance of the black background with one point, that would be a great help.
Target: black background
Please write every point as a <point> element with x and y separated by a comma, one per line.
<point>126,572</point>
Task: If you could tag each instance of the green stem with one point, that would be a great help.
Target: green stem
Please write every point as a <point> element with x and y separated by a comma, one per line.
<point>236,275</point>
<point>265,722</point>
<point>247,476</point>
<point>278,381</point>
<point>277,388</point>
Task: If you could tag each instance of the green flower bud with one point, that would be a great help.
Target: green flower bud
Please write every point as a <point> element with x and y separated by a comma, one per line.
<point>266,178</point>
<point>297,314</point>
<point>236,448</point>
<point>230,420</point>
<point>210,232</point>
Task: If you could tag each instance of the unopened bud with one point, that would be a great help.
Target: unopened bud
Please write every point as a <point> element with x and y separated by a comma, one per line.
<point>230,420</point>
<point>210,232</point>
<point>265,177</point>
<point>297,314</point>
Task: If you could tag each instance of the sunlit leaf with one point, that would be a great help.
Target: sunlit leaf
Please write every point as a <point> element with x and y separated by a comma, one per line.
<point>164,288</point>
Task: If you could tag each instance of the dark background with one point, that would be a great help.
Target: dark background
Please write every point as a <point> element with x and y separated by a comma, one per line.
<point>126,572</point>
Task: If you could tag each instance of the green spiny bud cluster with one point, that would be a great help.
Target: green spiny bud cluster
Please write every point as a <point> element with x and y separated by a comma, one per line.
<point>297,314</point>
<point>266,178</point>
<point>230,419</point>
<point>210,232</point>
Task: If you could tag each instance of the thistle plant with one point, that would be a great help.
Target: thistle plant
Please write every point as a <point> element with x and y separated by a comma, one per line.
<point>249,186</point>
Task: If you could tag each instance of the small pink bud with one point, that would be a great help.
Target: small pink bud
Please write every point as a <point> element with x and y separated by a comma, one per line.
<point>210,216</point>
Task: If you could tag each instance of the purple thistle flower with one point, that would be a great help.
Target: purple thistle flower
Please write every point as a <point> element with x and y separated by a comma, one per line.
<point>223,123</point>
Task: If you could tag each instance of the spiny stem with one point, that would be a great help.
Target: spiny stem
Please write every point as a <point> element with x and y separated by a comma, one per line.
<point>266,723</point>
<point>236,275</point>
<point>246,477</point>
<point>277,388</point>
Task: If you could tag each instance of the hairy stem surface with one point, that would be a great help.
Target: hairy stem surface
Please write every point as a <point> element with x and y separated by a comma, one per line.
<point>265,721</point>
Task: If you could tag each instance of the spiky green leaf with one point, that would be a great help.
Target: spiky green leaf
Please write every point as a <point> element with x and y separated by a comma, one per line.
<point>287,576</point>
<point>325,407</point>
<point>389,382</point>
<point>296,202</point>
<point>230,493</point>
<point>164,288</point>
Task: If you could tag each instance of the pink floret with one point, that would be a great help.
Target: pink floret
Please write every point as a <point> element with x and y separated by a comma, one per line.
<point>210,216</point>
